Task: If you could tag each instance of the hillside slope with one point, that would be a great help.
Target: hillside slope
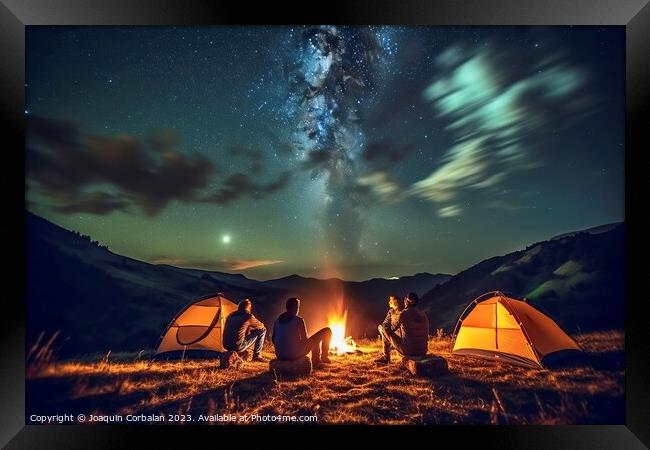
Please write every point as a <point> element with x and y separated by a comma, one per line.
<point>99,300</point>
<point>102,301</point>
<point>578,279</point>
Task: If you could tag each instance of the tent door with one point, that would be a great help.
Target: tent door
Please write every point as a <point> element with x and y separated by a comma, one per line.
<point>205,334</point>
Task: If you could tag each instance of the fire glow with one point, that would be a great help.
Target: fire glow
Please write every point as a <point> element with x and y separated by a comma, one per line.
<point>340,344</point>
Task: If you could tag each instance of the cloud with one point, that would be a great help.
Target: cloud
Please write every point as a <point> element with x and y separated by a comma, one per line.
<point>492,113</point>
<point>450,211</point>
<point>494,109</point>
<point>82,172</point>
<point>466,165</point>
<point>243,264</point>
<point>317,159</point>
<point>385,154</point>
<point>228,264</point>
<point>66,164</point>
<point>95,203</point>
<point>380,185</point>
<point>492,180</point>
<point>255,157</point>
<point>239,185</point>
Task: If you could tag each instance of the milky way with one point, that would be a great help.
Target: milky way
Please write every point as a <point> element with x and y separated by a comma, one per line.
<point>334,75</point>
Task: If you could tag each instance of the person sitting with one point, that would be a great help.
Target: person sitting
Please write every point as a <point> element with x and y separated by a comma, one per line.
<point>413,327</point>
<point>291,341</point>
<point>242,330</point>
<point>391,322</point>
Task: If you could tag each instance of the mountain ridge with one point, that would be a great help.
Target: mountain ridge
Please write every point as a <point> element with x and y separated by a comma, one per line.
<point>101,300</point>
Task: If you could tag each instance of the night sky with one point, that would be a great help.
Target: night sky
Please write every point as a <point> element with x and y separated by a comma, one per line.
<point>355,152</point>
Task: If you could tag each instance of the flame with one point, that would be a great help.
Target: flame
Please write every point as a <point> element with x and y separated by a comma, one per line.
<point>340,344</point>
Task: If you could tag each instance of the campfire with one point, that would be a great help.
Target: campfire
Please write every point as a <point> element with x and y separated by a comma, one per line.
<point>340,343</point>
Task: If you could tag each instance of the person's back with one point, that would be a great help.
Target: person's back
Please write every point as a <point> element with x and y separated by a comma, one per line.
<point>415,331</point>
<point>234,331</point>
<point>291,341</point>
<point>242,330</point>
<point>288,336</point>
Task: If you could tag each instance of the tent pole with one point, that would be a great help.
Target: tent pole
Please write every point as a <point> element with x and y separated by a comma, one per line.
<point>221,320</point>
<point>496,325</point>
<point>523,330</point>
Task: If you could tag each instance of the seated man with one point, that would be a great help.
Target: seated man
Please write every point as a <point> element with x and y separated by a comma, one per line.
<point>291,341</point>
<point>242,330</point>
<point>391,322</point>
<point>413,327</point>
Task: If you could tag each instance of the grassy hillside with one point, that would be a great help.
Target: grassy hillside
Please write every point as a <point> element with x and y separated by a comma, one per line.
<point>577,279</point>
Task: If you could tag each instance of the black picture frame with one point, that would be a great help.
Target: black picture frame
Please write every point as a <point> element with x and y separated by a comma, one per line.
<point>15,15</point>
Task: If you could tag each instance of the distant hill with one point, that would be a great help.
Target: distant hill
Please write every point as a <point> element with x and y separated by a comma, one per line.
<point>577,278</point>
<point>594,230</point>
<point>101,301</point>
<point>420,283</point>
<point>366,301</point>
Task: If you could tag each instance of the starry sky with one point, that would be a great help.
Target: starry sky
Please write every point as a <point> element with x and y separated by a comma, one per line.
<point>355,152</point>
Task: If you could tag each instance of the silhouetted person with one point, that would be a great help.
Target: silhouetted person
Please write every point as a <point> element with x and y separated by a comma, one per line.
<point>242,330</point>
<point>291,341</point>
<point>413,327</point>
<point>391,322</point>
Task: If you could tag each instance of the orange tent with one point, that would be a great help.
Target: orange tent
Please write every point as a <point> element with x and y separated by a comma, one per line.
<point>198,327</point>
<point>505,329</point>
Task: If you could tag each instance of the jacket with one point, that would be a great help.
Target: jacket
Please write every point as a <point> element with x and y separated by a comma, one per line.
<point>391,321</point>
<point>289,336</point>
<point>236,329</point>
<point>414,326</point>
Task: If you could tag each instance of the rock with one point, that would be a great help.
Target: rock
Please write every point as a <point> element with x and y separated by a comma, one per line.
<point>229,359</point>
<point>426,366</point>
<point>297,368</point>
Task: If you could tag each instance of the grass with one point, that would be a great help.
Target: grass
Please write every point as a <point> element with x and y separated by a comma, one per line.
<point>561,286</point>
<point>352,390</point>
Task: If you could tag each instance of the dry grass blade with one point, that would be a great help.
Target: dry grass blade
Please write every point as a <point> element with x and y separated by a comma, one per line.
<point>353,389</point>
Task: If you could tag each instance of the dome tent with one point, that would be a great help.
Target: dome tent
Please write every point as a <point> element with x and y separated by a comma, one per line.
<point>197,330</point>
<point>501,328</point>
